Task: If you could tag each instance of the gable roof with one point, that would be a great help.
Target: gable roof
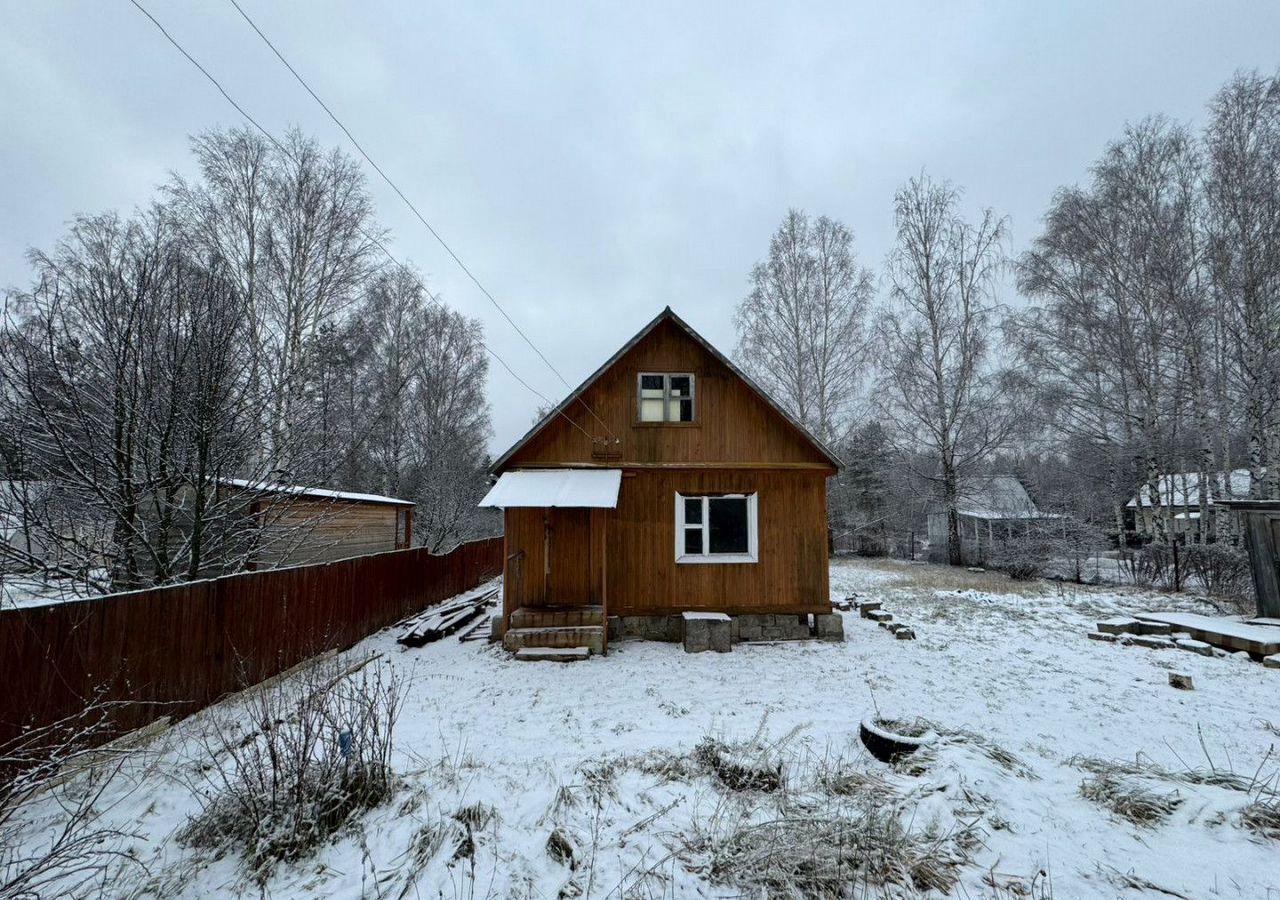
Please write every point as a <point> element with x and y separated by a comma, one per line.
<point>668,314</point>
<point>994,497</point>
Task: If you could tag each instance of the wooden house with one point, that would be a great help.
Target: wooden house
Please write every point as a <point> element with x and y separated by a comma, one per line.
<point>1260,522</point>
<point>294,526</point>
<point>667,483</point>
<point>1179,501</point>
<point>994,510</point>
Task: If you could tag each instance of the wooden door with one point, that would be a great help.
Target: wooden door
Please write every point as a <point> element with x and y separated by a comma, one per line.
<point>569,557</point>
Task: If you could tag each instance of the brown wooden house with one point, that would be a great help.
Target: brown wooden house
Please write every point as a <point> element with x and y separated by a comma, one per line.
<point>667,483</point>
<point>291,525</point>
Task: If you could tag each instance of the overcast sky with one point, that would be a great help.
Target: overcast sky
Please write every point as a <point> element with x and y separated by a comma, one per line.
<point>592,164</point>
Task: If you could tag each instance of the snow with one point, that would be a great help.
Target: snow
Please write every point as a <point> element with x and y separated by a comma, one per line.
<point>1216,624</point>
<point>597,488</point>
<point>707,616</point>
<point>1008,661</point>
<point>319,493</point>
<point>21,590</point>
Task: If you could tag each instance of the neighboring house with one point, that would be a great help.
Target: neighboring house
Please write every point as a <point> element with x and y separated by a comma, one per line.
<point>993,510</point>
<point>295,526</point>
<point>692,491</point>
<point>1179,495</point>
<point>41,527</point>
<point>1260,522</point>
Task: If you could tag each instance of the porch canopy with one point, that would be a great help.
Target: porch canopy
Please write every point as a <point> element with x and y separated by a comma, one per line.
<point>593,488</point>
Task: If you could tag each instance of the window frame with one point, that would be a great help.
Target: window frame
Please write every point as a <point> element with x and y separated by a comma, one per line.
<point>706,556</point>
<point>667,398</point>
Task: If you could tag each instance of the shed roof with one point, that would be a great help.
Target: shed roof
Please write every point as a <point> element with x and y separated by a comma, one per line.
<point>596,488</point>
<point>293,490</point>
<point>995,497</point>
<point>668,314</point>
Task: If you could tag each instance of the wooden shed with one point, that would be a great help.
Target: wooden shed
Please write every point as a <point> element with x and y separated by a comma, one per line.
<point>667,483</point>
<point>1260,523</point>
<point>293,525</point>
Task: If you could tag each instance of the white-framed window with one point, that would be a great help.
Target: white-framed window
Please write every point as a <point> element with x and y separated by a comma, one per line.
<point>716,528</point>
<point>665,397</point>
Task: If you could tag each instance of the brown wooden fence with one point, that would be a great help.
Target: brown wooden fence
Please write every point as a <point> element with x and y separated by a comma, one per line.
<point>174,650</point>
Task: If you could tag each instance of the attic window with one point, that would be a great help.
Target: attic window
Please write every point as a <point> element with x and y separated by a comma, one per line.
<point>666,397</point>
<point>716,528</point>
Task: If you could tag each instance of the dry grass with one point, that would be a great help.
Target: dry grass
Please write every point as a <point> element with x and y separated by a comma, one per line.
<point>1130,800</point>
<point>1262,817</point>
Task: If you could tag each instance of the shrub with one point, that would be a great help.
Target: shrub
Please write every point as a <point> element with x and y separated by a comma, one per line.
<point>319,751</point>
<point>1220,570</point>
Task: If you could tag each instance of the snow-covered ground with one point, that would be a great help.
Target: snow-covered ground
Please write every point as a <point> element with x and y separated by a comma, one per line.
<point>602,751</point>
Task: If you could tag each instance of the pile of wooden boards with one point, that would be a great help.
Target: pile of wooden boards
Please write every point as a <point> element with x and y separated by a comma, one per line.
<point>449,617</point>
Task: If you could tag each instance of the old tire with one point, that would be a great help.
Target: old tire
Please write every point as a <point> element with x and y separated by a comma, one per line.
<point>887,745</point>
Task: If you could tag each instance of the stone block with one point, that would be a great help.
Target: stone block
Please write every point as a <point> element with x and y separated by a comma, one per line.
<point>1153,642</point>
<point>495,629</point>
<point>879,615</point>
<point>707,631</point>
<point>1180,681</point>
<point>867,607</point>
<point>1194,646</point>
<point>830,627</point>
<point>749,631</point>
<point>1272,661</point>
<point>1120,625</point>
<point>1103,636</point>
<point>905,634</point>
<point>1158,629</point>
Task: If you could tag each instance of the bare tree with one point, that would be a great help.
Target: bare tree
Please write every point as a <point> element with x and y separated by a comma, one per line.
<point>939,387</point>
<point>1243,188</point>
<point>801,329</point>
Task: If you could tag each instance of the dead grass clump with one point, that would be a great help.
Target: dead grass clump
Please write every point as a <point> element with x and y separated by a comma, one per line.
<point>812,856</point>
<point>991,750</point>
<point>1130,800</point>
<point>665,765</point>
<point>863,785</point>
<point>1262,817</point>
<point>739,770</point>
<point>477,816</point>
<point>1140,767</point>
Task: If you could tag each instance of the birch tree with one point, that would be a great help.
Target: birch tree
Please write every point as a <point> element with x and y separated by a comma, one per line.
<point>940,388</point>
<point>801,328</point>
<point>1243,190</point>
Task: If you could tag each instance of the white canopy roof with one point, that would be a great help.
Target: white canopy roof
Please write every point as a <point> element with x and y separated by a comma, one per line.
<point>556,487</point>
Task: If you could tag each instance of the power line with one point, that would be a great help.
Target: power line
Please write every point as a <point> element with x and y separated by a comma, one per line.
<point>409,203</point>
<point>371,238</point>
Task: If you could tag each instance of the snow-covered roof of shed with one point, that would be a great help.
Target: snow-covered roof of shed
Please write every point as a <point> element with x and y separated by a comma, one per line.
<point>576,488</point>
<point>995,497</point>
<point>293,490</point>
<point>1183,488</point>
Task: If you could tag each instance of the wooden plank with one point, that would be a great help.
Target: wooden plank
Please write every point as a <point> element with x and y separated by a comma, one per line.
<point>1228,634</point>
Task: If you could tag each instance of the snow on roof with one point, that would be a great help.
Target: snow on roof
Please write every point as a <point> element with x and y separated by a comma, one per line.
<point>995,497</point>
<point>294,490</point>
<point>1183,488</point>
<point>556,487</point>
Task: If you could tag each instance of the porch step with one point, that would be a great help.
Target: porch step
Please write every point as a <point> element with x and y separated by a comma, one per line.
<point>589,636</point>
<point>556,616</point>
<point>552,654</point>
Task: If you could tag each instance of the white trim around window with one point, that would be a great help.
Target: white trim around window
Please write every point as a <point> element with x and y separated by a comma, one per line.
<point>694,531</point>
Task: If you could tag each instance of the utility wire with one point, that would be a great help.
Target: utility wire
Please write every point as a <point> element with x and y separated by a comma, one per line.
<point>409,203</point>
<point>371,238</point>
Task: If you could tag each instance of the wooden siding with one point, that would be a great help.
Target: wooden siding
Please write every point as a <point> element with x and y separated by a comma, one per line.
<point>173,650</point>
<point>638,573</point>
<point>733,426</point>
<point>1262,535</point>
<point>304,530</point>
